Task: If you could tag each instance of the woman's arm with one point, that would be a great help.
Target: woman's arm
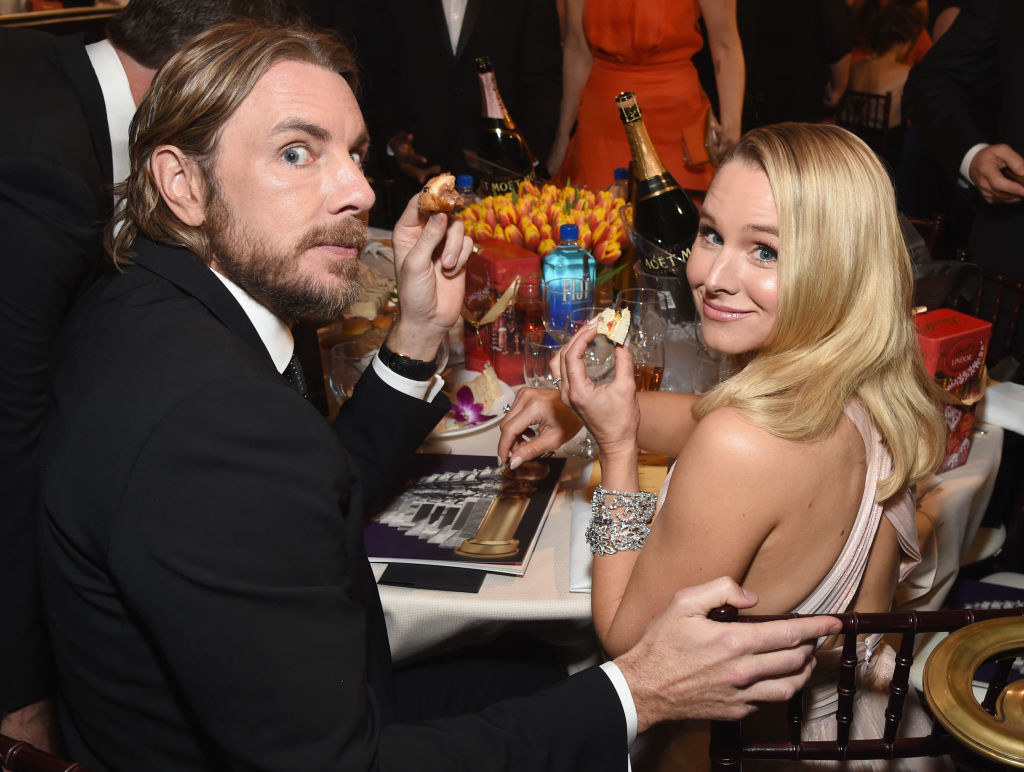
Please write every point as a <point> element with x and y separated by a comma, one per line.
<point>725,498</point>
<point>576,61</point>
<point>727,57</point>
<point>721,505</point>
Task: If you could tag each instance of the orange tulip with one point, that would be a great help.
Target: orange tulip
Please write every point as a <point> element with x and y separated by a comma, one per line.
<point>531,237</point>
<point>513,235</point>
<point>607,252</point>
<point>545,246</point>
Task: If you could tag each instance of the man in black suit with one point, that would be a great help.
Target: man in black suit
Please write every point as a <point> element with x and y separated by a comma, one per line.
<point>65,142</point>
<point>423,94</point>
<point>206,587</point>
<point>983,45</point>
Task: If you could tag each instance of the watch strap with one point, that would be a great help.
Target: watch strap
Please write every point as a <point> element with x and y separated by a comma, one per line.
<point>415,369</point>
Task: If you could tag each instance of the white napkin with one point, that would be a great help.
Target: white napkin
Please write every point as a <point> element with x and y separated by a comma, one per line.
<point>379,257</point>
<point>1003,405</point>
<point>580,559</point>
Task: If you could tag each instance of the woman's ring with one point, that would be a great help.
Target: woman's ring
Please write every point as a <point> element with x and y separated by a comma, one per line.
<point>506,408</point>
<point>554,383</point>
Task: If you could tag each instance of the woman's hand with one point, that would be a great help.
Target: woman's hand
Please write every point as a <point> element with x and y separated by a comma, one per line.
<point>610,410</point>
<point>541,412</point>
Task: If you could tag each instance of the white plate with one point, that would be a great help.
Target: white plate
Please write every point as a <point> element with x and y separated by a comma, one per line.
<point>507,395</point>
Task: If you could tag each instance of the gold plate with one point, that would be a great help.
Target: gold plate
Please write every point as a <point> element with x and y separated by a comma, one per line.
<point>948,676</point>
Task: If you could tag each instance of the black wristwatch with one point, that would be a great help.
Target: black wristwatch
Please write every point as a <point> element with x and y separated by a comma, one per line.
<point>415,369</point>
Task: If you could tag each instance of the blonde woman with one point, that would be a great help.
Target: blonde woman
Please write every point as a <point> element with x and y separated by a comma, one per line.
<point>793,477</point>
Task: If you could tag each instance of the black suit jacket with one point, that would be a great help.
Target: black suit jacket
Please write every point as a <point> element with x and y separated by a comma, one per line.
<point>983,44</point>
<point>415,83</point>
<point>55,174</point>
<point>209,597</point>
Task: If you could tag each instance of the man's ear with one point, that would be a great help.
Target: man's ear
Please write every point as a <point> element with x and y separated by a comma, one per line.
<point>180,183</point>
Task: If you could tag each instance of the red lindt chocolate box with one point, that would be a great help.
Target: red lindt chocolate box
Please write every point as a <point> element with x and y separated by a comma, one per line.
<point>489,272</point>
<point>953,346</point>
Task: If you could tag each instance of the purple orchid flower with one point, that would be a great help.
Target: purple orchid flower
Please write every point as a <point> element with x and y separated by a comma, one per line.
<point>466,411</point>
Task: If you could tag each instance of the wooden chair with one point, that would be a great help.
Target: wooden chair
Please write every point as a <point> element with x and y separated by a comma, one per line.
<point>998,295</point>
<point>867,116</point>
<point>18,756</point>
<point>931,230</point>
<point>728,749</point>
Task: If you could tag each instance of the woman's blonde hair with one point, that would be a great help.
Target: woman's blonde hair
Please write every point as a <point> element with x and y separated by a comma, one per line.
<point>844,326</point>
<point>192,96</point>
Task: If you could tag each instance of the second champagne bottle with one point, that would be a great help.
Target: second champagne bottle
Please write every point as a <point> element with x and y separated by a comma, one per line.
<point>505,158</point>
<point>663,215</point>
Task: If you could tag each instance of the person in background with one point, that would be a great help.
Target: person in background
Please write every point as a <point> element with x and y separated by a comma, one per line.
<point>794,475</point>
<point>206,585</point>
<point>863,12</point>
<point>423,92</point>
<point>798,59</point>
<point>980,148</point>
<point>65,142</point>
<point>644,47</point>
<point>890,35</point>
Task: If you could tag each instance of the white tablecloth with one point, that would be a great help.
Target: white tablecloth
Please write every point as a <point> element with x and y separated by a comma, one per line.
<point>422,622</point>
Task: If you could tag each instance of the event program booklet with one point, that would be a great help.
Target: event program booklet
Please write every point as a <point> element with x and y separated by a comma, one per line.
<point>466,512</point>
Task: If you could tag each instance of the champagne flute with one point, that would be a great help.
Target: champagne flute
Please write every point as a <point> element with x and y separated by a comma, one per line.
<point>648,324</point>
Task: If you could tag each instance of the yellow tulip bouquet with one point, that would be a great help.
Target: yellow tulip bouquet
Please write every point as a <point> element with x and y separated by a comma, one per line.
<point>531,218</point>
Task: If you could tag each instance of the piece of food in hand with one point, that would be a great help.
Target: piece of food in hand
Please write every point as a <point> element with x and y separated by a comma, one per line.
<point>440,195</point>
<point>614,324</point>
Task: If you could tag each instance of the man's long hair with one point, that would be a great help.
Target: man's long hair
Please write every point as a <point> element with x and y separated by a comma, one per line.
<point>844,328</point>
<point>191,99</point>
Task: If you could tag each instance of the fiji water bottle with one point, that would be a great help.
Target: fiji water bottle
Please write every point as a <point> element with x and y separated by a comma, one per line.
<point>569,273</point>
<point>464,185</point>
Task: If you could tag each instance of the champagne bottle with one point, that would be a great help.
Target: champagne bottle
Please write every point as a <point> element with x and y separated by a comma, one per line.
<point>505,159</point>
<point>663,215</point>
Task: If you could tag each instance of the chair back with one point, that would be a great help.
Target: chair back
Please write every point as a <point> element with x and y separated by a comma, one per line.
<point>867,116</point>
<point>728,749</point>
<point>998,299</point>
<point>19,756</point>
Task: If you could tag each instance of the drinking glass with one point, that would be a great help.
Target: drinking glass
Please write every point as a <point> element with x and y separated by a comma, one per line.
<point>530,308</point>
<point>648,324</point>
<point>598,363</point>
<point>348,360</point>
<point>537,357</point>
<point>562,296</point>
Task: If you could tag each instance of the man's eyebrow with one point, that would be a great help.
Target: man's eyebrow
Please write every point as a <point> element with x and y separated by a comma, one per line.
<point>297,124</point>
<point>363,140</point>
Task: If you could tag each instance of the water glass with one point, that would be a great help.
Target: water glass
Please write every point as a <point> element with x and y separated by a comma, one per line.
<point>711,367</point>
<point>537,358</point>
<point>648,326</point>
<point>348,360</point>
<point>599,358</point>
<point>562,296</point>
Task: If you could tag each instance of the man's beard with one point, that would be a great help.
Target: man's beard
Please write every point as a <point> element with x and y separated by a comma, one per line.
<point>272,278</point>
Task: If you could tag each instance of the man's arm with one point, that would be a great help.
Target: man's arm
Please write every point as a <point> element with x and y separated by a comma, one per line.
<point>51,236</point>
<point>937,96</point>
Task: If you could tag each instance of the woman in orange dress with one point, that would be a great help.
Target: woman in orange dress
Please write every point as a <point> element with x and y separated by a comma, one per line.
<point>644,46</point>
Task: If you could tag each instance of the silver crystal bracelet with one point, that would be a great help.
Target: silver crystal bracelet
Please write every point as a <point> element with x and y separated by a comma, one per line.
<point>627,528</point>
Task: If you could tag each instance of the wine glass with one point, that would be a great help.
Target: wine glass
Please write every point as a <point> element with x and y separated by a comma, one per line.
<point>530,308</point>
<point>648,324</point>
<point>711,367</point>
<point>561,297</point>
<point>598,363</point>
<point>537,357</point>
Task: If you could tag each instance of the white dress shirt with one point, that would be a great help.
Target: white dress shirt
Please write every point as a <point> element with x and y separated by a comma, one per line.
<point>454,15</point>
<point>117,98</point>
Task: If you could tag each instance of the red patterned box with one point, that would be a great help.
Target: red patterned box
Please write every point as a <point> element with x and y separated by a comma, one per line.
<point>953,346</point>
<point>489,273</point>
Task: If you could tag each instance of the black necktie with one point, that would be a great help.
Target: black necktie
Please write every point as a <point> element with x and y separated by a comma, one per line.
<point>293,372</point>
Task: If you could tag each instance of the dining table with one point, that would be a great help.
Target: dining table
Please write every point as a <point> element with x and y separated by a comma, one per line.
<point>552,598</point>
